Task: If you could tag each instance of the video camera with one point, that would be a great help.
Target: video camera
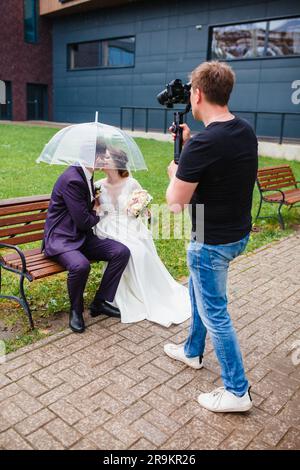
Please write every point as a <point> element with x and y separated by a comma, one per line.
<point>176,93</point>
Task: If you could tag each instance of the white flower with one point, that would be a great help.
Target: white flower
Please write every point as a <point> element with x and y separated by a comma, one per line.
<point>98,189</point>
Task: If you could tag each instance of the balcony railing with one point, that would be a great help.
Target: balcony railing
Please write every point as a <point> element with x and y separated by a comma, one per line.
<point>166,120</point>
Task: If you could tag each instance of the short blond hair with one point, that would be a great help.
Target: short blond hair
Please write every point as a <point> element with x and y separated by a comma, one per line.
<point>215,79</point>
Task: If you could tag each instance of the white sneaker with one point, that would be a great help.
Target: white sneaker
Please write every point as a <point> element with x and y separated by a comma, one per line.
<point>176,351</point>
<point>222,401</point>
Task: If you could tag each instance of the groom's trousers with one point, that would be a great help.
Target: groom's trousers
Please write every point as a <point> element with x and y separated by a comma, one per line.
<point>77,263</point>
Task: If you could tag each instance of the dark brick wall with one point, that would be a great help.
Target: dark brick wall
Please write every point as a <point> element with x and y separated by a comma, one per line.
<point>23,63</point>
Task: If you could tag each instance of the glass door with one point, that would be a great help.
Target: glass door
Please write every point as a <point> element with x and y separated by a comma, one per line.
<point>6,106</point>
<point>37,105</point>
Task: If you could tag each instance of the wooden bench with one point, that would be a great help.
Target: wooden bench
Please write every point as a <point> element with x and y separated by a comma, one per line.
<point>22,221</point>
<point>276,179</point>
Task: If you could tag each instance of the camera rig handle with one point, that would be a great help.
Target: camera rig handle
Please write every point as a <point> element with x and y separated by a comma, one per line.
<point>178,120</point>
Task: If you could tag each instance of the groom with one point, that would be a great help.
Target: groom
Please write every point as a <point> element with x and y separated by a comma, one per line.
<point>69,240</point>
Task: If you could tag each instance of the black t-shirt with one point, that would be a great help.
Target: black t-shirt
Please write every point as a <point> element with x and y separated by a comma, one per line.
<point>223,160</point>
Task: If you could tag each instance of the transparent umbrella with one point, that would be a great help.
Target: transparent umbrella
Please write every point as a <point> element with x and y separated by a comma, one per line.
<point>93,145</point>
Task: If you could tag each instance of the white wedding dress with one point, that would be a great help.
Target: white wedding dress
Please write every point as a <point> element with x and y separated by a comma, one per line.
<point>146,290</point>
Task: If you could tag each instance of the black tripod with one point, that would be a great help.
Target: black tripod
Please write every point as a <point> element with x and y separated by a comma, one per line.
<point>178,119</point>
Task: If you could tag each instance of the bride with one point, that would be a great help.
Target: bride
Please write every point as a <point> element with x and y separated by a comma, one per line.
<point>146,290</point>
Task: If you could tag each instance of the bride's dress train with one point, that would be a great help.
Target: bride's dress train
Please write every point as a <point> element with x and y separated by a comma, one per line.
<point>146,290</point>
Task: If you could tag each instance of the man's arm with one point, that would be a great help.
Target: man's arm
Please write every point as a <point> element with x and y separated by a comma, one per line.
<point>75,199</point>
<point>179,192</point>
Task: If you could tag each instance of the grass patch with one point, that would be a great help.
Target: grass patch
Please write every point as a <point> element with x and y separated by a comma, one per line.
<point>21,176</point>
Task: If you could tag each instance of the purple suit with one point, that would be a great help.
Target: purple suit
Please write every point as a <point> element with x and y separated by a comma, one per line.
<point>70,240</point>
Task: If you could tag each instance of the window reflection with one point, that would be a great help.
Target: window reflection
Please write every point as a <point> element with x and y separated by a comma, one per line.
<point>257,39</point>
<point>284,37</point>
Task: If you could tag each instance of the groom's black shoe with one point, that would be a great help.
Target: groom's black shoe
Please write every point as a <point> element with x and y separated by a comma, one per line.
<point>104,308</point>
<point>76,322</point>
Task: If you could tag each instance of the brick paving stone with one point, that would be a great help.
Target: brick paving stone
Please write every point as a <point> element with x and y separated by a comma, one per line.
<point>159,403</point>
<point>27,403</point>
<point>10,365</point>
<point>106,402</point>
<point>63,432</point>
<point>83,444</point>
<point>4,424</point>
<point>11,440</point>
<point>291,440</point>
<point>180,440</point>
<point>150,432</point>
<point>93,421</point>
<point>168,365</point>
<point>144,387</point>
<point>34,422</point>
<point>186,412</point>
<point>155,372</point>
<point>11,413</point>
<point>47,378</point>
<point>104,440</point>
<point>120,429</point>
<point>142,444</point>
<point>23,370</point>
<point>201,430</point>
<point>182,378</point>
<point>32,386</point>
<point>273,432</point>
<point>165,423</point>
<point>66,411</point>
<point>114,388</point>
<point>42,440</point>
<point>135,411</point>
<point>9,391</point>
<point>4,381</point>
<point>117,377</point>
<point>55,394</point>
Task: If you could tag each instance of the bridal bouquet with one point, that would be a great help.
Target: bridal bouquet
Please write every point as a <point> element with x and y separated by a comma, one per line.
<point>138,203</point>
<point>97,189</point>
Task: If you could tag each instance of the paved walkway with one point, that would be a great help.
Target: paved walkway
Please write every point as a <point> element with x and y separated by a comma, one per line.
<point>113,388</point>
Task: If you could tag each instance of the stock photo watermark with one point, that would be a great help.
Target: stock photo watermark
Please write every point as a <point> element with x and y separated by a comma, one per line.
<point>2,352</point>
<point>296,94</point>
<point>164,223</point>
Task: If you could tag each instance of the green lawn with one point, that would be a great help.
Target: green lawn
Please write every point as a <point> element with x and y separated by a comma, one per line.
<point>21,176</point>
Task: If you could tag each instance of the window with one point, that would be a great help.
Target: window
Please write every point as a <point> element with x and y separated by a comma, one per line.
<point>31,13</point>
<point>273,38</point>
<point>118,52</point>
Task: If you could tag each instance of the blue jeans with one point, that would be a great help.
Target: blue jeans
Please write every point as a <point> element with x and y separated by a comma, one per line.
<point>208,266</point>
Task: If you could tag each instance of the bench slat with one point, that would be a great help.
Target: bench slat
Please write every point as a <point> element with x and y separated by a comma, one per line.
<point>47,272</point>
<point>21,229</point>
<point>19,209</point>
<point>276,185</point>
<point>24,239</point>
<point>274,168</point>
<point>29,253</point>
<point>22,219</point>
<point>24,200</point>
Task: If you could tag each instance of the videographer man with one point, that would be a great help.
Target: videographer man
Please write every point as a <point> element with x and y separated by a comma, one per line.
<point>217,169</point>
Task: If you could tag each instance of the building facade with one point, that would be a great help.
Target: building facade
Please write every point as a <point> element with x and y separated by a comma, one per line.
<point>109,54</point>
<point>25,61</point>
<point>123,56</point>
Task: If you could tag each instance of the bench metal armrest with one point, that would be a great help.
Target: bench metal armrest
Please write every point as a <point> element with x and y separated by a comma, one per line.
<point>19,251</point>
<point>274,190</point>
